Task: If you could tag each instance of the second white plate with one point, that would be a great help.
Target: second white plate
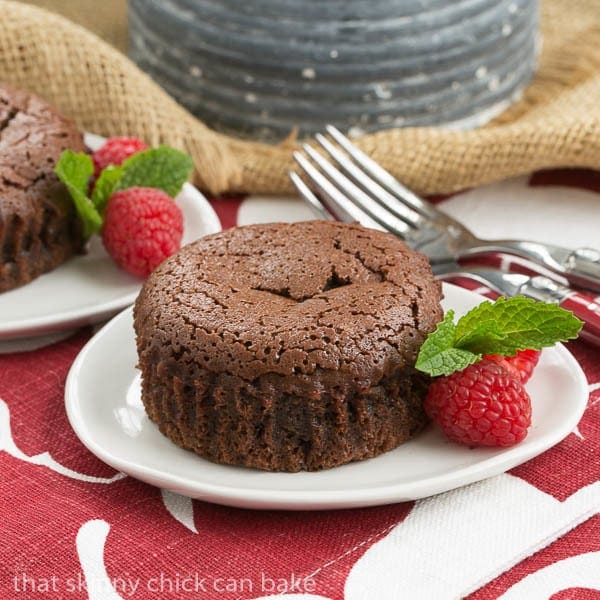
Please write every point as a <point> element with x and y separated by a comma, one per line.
<point>109,418</point>
<point>88,288</point>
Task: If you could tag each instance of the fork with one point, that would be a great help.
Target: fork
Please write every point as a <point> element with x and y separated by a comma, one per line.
<point>358,189</point>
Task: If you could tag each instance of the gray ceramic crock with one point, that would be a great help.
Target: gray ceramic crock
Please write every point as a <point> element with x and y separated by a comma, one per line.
<point>258,68</point>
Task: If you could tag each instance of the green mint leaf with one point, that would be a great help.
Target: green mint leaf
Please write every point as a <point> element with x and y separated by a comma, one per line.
<point>163,167</point>
<point>74,170</point>
<point>480,336</point>
<point>439,356</point>
<point>105,185</point>
<point>513,324</point>
<point>448,361</point>
<point>502,327</point>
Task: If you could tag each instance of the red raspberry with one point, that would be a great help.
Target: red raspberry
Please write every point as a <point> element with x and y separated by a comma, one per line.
<point>482,405</point>
<point>521,365</point>
<point>114,151</point>
<point>142,226</point>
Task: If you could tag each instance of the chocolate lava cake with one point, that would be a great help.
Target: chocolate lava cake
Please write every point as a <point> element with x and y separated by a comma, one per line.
<point>287,347</point>
<point>38,226</point>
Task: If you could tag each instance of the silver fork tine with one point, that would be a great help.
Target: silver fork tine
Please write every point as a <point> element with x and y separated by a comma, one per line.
<point>315,203</point>
<point>384,178</point>
<point>379,193</point>
<point>375,210</point>
<point>343,208</point>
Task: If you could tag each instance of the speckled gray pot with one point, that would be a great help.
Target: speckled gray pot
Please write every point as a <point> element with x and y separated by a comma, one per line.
<point>258,68</point>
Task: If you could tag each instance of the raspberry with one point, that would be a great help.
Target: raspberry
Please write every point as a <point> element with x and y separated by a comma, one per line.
<point>142,226</point>
<point>521,365</point>
<point>482,405</point>
<point>114,151</point>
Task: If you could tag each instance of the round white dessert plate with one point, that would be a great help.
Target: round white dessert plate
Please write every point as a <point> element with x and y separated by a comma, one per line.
<point>108,416</point>
<point>88,288</point>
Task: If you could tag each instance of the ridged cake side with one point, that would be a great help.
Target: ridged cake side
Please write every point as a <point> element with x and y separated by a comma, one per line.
<point>282,423</point>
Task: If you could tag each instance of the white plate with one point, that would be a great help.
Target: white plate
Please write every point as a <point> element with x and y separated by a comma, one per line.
<point>107,415</point>
<point>89,288</point>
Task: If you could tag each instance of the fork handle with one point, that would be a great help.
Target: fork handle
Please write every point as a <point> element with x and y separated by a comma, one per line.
<point>580,267</point>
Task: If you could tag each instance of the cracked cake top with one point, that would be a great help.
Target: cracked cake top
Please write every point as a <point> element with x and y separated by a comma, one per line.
<point>32,136</point>
<point>292,299</point>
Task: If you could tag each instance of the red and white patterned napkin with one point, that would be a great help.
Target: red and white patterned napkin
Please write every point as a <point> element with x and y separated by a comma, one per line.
<point>74,528</point>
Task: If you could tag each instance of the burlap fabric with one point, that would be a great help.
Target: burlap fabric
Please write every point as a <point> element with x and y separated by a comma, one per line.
<point>556,124</point>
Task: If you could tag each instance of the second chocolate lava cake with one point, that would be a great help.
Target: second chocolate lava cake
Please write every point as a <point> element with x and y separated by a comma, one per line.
<point>38,226</point>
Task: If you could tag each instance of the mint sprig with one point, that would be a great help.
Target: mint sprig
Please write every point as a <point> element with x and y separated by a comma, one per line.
<point>164,168</point>
<point>502,327</point>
